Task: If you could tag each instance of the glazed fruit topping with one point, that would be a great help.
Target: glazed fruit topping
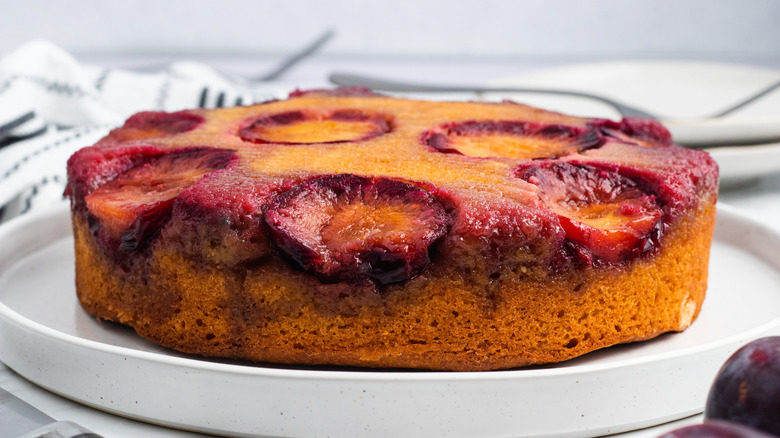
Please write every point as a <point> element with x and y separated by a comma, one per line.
<point>151,124</point>
<point>511,139</point>
<point>317,126</point>
<point>606,216</point>
<point>635,130</point>
<point>219,219</point>
<point>137,203</point>
<point>746,390</point>
<point>347,227</point>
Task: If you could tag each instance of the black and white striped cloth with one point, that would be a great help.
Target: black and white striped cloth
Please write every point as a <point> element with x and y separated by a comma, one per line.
<point>22,127</point>
<point>51,106</point>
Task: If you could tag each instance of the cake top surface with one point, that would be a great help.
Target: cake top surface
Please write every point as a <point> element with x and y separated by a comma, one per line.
<point>467,177</point>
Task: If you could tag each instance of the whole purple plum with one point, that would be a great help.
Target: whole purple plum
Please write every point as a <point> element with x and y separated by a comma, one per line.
<point>747,388</point>
<point>716,429</point>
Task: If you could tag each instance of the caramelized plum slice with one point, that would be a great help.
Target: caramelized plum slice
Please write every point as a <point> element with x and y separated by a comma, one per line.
<point>219,219</point>
<point>511,139</point>
<point>606,215</point>
<point>93,166</point>
<point>317,126</point>
<point>153,124</point>
<point>345,227</point>
<point>641,131</point>
<point>134,206</point>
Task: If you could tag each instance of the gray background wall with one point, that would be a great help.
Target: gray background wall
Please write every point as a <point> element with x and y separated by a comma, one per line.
<point>746,30</point>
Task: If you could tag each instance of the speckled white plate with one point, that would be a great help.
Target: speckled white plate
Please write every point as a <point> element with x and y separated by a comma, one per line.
<point>46,337</point>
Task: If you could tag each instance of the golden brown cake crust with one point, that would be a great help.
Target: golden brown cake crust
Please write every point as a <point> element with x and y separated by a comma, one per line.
<point>439,321</point>
<point>447,316</point>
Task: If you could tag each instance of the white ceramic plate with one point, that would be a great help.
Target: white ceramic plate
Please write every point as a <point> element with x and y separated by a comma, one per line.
<point>682,94</point>
<point>46,337</point>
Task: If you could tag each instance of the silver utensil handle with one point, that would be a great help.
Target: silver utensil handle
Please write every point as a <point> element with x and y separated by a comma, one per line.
<point>378,84</point>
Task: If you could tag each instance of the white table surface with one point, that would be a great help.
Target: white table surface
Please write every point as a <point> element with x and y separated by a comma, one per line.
<point>760,198</point>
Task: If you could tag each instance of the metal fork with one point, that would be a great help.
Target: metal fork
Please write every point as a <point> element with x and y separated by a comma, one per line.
<point>377,84</point>
<point>220,98</point>
<point>624,110</point>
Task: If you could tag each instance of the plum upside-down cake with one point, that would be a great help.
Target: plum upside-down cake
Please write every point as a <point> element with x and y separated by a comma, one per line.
<point>342,227</point>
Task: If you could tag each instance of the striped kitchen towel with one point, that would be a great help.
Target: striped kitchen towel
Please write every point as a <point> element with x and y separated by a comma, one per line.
<point>51,106</point>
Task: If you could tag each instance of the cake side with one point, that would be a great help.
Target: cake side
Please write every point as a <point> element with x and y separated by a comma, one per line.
<point>442,319</point>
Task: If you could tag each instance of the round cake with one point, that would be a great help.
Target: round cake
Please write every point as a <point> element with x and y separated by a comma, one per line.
<point>341,227</point>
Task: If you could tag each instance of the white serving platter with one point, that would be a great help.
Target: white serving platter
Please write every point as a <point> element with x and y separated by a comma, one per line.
<point>46,337</point>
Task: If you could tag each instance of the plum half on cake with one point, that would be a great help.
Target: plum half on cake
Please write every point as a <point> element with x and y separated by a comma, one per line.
<point>341,227</point>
